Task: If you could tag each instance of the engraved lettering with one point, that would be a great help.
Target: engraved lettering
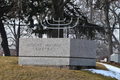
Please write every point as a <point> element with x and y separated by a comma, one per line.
<point>43,47</point>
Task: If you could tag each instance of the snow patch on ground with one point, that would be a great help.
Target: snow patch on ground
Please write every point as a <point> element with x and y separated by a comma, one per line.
<point>113,72</point>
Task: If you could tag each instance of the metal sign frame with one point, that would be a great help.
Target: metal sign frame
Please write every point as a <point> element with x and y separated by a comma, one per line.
<point>59,25</point>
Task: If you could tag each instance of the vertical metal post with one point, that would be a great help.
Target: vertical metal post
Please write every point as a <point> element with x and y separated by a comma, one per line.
<point>58,27</point>
<point>66,32</point>
<point>119,33</point>
<point>119,27</point>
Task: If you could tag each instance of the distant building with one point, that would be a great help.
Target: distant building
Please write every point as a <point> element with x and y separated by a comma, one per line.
<point>115,57</point>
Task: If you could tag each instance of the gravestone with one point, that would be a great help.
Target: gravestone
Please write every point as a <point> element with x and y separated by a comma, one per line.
<point>57,52</point>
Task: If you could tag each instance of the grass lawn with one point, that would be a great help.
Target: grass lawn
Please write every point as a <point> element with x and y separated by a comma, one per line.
<point>101,67</point>
<point>10,70</point>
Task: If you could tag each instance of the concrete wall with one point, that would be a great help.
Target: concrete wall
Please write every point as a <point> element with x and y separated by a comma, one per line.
<point>57,51</point>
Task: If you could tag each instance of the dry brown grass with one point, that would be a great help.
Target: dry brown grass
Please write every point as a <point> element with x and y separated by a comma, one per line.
<point>10,70</point>
<point>102,67</point>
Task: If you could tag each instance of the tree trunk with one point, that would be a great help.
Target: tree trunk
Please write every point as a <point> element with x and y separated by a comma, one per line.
<point>109,32</point>
<point>17,42</point>
<point>57,9</point>
<point>4,39</point>
<point>91,11</point>
<point>55,33</point>
<point>57,13</point>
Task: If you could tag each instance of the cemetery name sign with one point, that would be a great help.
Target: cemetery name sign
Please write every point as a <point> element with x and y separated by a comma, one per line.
<point>57,52</point>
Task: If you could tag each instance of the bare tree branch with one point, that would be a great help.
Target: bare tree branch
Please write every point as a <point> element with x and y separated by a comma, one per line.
<point>65,3</point>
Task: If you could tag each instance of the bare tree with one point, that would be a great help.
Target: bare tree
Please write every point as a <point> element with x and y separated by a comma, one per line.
<point>12,27</point>
<point>104,13</point>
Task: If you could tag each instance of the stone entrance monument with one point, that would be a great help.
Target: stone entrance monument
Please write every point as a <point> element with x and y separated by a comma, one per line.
<point>61,52</point>
<point>57,52</point>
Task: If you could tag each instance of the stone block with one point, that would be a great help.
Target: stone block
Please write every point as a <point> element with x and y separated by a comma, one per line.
<point>57,51</point>
<point>56,61</point>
